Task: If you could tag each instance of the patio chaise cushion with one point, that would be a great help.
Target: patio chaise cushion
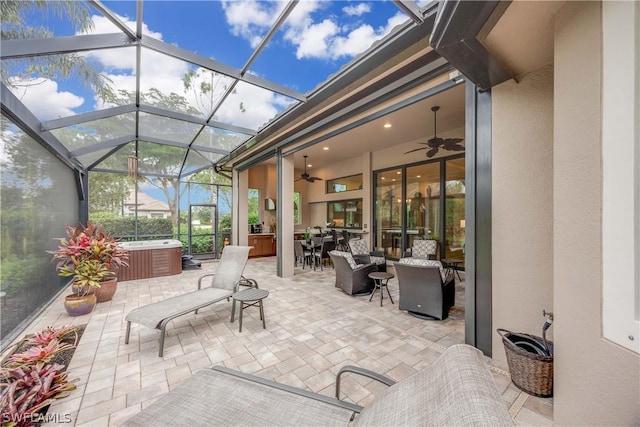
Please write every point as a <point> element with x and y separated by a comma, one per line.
<point>424,263</point>
<point>456,390</point>
<point>225,281</point>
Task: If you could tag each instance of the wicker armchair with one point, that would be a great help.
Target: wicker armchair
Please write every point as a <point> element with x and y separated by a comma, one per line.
<point>362,255</point>
<point>352,278</point>
<point>424,289</point>
<point>423,249</point>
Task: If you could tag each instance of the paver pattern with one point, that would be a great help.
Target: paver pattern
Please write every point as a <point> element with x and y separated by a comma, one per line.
<point>312,330</point>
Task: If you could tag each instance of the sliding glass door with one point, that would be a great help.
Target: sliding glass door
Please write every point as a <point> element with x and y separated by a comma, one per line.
<point>421,201</point>
<point>455,203</point>
<point>388,212</point>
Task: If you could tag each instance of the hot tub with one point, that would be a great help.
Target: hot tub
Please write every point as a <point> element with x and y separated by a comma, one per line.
<point>151,258</point>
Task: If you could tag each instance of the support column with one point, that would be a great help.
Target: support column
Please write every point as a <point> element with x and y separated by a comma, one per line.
<point>285,229</point>
<point>240,208</point>
<point>478,258</point>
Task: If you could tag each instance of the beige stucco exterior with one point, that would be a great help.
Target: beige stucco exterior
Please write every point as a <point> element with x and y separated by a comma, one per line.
<point>546,217</point>
<point>547,222</point>
<point>522,205</point>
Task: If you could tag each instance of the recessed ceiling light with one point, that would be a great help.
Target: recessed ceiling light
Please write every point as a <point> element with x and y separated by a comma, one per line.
<point>417,176</point>
<point>383,177</point>
<point>393,180</point>
<point>325,148</point>
<point>387,125</point>
<point>398,173</point>
<point>309,165</point>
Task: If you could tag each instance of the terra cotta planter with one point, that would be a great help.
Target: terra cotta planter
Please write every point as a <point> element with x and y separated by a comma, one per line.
<point>79,305</point>
<point>107,290</point>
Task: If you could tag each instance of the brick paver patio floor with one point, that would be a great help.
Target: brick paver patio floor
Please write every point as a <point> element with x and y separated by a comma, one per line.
<point>312,330</point>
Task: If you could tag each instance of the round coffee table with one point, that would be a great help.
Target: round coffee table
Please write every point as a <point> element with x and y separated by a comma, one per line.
<point>381,279</point>
<point>250,297</point>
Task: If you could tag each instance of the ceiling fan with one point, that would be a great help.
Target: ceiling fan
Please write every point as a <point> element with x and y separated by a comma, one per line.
<point>436,143</point>
<point>306,176</point>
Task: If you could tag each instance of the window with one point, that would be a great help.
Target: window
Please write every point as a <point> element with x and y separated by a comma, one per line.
<point>253,205</point>
<point>345,213</point>
<point>620,174</point>
<point>297,213</point>
<point>347,183</point>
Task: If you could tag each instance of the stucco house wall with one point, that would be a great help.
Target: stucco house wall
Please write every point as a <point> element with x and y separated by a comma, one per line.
<point>547,196</point>
<point>522,204</point>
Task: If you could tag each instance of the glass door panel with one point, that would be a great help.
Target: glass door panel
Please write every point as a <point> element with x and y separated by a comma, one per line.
<point>455,205</point>
<point>388,212</point>
<point>423,203</point>
<point>203,220</point>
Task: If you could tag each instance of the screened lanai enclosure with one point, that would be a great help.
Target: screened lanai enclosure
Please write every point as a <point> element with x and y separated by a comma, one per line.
<point>125,112</point>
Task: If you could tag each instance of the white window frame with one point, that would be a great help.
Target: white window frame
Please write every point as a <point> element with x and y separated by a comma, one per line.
<point>621,173</point>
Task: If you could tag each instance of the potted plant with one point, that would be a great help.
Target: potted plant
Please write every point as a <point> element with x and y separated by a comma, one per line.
<point>92,257</point>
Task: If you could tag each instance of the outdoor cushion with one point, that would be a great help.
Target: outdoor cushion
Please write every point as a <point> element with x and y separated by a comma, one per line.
<point>348,257</point>
<point>424,248</point>
<point>425,263</point>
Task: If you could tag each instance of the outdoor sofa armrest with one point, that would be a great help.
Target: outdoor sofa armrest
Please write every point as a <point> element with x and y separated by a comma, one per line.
<point>362,258</point>
<point>364,372</point>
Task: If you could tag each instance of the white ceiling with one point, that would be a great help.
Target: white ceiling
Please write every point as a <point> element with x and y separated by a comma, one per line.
<point>412,123</point>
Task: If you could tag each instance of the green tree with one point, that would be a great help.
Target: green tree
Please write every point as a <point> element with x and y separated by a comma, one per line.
<point>107,192</point>
<point>23,72</point>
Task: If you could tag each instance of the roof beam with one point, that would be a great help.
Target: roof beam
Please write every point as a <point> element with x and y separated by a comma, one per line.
<point>87,117</point>
<point>456,36</point>
<point>19,114</point>
<point>117,142</point>
<point>218,67</point>
<point>114,19</point>
<point>58,45</point>
<point>194,119</point>
<point>274,28</point>
<point>411,9</point>
<point>210,149</point>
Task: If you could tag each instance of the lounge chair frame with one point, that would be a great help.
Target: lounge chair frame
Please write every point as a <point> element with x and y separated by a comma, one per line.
<point>199,302</point>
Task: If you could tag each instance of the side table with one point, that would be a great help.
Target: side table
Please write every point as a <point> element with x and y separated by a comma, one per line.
<point>381,279</point>
<point>250,297</point>
<point>451,264</point>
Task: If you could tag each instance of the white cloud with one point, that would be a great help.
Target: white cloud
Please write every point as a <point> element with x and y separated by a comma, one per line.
<point>327,39</point>
<point>102,25</point>
<point>250,19</point>
<point>313,41</point>
<point>357,10</point>
<point>44,100</point>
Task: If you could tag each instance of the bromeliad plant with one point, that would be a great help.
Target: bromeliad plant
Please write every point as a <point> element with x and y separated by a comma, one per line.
<point>31,379</point>
<point>25,392</point>
<point>50,333</point>
<point>89,255</point>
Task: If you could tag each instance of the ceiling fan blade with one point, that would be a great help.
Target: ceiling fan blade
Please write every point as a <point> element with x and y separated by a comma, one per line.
<point>452,144</point>
<point>315,178</point>
<point>417,149</point>
<point>432,152</point>
<point>436,141</point>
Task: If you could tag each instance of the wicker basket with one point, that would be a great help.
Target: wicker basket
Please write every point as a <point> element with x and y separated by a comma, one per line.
<point>531,372</point>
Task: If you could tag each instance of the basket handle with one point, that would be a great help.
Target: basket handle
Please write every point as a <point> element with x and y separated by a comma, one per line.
<point>503,332</point>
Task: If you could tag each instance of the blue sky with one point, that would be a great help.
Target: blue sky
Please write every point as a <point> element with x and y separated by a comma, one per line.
<point>317,39</point>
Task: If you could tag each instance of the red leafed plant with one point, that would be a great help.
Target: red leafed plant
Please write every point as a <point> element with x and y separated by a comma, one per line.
<point>89,255</point>
<point>50,333</point>
<point>27,390</point>
<point>37,355</point>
